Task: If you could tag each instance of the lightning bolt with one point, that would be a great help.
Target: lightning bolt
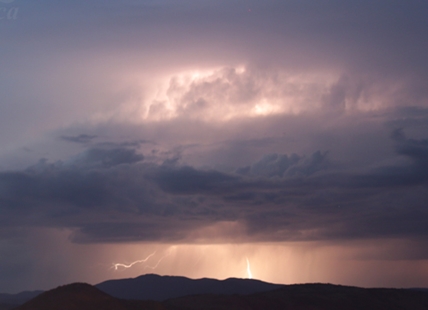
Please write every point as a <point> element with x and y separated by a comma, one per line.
<point>159,261</point>
<point>250,275</point>
<point>116,266</point>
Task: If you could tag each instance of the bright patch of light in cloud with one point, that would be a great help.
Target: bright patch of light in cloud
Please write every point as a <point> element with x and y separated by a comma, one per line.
<point>227,93</point>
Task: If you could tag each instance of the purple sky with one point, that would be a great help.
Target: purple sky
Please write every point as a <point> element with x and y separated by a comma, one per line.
<point>290,133</point>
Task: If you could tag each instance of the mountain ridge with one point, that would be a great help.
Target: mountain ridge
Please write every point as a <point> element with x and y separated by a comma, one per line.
<point>180,293</point>
<point>82,296</point>
<point>155,287</point>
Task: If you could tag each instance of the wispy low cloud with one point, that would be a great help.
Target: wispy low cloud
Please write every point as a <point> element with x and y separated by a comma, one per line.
<point>83,138</point>
<point>108,157</point>
<point>281,165</point>
<point>112,194</point>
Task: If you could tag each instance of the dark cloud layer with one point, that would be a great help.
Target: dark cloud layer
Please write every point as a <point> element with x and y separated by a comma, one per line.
<point>112,195</point>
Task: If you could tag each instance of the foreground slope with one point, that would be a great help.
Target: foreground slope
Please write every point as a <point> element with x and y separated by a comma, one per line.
<point>82,296</point>
<point>10,301</point>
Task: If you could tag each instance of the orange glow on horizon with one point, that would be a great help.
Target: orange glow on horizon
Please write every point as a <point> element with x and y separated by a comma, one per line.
<point>378,263</point>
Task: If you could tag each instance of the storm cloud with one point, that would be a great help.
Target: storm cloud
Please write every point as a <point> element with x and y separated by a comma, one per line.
<point>113,195</point>
<point>270,125</point>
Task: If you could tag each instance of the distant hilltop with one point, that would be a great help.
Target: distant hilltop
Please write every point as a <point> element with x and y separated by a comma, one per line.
<point>155,287</point>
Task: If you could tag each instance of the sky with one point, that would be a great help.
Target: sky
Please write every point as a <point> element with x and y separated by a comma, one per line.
<point>203,138</point>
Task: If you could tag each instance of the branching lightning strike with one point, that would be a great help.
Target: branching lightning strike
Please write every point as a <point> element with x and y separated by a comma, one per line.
<point>116,266</point>
<point>159,261</point>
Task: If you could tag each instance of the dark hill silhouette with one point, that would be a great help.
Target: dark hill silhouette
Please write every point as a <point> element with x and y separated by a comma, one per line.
<point>160,288</point>
<point>10,301</point>
<point>82,296</point>
<point>309,297</point>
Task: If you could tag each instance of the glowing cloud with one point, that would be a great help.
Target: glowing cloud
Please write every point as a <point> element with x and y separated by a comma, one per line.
<point>225,93</point>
